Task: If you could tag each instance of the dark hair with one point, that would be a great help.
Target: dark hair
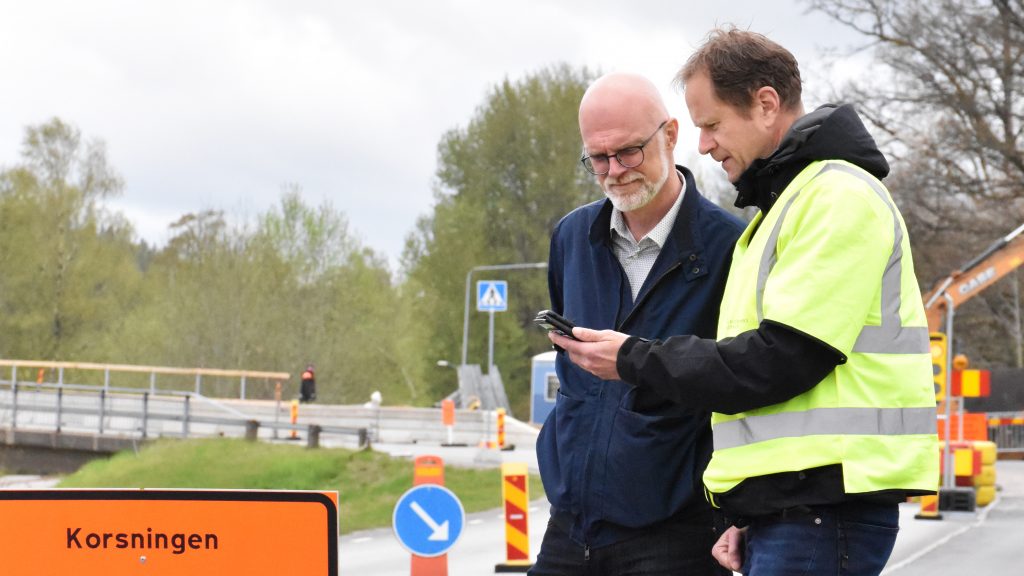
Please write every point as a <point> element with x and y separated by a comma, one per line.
<point>739,63</point>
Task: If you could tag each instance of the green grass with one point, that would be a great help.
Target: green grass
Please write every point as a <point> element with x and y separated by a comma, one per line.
<point>368,483</point>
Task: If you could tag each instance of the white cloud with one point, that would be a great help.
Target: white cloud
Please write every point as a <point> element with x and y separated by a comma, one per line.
<point>218,104</point>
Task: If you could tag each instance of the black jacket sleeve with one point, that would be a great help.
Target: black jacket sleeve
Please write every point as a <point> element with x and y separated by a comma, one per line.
<point>754,369</point>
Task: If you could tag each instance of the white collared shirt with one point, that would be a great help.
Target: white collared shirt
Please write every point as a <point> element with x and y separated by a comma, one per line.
<point>637,258</point>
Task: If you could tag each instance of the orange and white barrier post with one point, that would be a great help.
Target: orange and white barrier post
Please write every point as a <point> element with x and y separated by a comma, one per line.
<point>428,470</point>
<point>448,417</point>
<point>516,494</point>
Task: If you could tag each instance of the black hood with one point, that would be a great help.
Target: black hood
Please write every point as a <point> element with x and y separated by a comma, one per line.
<point>829,133</point>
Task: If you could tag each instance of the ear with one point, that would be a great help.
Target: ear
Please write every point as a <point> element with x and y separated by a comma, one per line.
<point>671,133</point>
<point>767,103</point>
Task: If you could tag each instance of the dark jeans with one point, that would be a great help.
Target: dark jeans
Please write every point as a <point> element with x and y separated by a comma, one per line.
<point>673,549</point>
<point>850,539</point>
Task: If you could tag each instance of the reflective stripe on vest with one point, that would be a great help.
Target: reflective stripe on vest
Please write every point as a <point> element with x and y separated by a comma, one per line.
<point>891,337</point>
<point>823,421</point>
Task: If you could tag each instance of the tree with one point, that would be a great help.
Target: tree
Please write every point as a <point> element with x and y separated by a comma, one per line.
<point>503,182</point>
<point>69,266</point>
<point>944,97</point>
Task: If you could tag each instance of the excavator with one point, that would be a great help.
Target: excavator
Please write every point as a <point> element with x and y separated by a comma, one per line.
<point>996,261</point>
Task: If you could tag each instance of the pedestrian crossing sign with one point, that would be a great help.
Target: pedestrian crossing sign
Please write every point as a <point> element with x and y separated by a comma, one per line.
<point>492,296</point>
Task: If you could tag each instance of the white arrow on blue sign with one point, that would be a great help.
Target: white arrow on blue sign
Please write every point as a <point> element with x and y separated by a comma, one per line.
<point>491,296</point>
<point>428,520</point>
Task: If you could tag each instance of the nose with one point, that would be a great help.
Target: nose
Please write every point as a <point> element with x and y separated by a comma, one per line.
<point>615,169</point>
<point>705,142</point>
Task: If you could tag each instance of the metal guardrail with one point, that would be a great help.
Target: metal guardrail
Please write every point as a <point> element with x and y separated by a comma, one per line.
<point>194,375</point>
<point>1006,429</point>
<point>141,413</point>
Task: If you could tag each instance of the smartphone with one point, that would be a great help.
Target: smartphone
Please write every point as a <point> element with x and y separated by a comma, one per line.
<point>548,320</point>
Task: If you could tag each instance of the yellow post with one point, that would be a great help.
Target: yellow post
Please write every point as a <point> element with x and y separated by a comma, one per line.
<point>515,492</point>
<point>295,419</point>
<point>501,428</point>
<point>929,508</point>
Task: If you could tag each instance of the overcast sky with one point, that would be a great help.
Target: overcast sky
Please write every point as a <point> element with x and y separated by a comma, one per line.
<point>218,104</point>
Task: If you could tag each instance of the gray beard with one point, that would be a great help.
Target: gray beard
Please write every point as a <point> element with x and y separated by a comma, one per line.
<point>641,197</point>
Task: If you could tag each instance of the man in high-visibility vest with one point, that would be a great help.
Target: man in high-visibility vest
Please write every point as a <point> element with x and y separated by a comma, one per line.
<point>307,388</point>
<point>820,377</point>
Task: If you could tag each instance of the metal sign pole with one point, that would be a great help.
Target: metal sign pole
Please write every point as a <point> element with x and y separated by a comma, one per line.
<point>490,341</point>
<point>947,477</point>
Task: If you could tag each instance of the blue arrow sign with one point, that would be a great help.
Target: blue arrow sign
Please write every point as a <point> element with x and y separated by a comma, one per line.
<point>492,296</point>
<point>428,519</point>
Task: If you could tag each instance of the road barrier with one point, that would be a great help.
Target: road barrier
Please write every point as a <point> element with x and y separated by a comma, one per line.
<point>516,495</point>
<point>1006,429</point>
<point>929,508</point>
<point>134,413</point>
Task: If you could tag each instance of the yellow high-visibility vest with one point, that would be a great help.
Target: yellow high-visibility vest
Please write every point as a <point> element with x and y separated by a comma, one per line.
<point>832,260</point>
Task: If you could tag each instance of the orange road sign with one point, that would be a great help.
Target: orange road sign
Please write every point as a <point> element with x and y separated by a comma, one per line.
<point>168,532</point>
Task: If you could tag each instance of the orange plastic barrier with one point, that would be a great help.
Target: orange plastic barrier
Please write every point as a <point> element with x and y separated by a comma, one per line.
<point>975,427</point>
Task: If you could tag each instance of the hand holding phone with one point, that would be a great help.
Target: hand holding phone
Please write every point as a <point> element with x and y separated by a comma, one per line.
<point>551,321</point>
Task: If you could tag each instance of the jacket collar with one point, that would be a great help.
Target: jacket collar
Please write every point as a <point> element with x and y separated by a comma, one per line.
<point>828,133</point>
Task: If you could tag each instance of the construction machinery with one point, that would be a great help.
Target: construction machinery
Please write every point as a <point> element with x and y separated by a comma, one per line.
<point>996,261</point>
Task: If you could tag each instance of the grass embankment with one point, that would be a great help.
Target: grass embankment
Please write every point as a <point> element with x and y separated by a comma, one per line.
<point>368,483</point>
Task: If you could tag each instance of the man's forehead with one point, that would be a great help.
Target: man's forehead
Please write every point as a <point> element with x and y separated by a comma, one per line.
<point>610,137</point>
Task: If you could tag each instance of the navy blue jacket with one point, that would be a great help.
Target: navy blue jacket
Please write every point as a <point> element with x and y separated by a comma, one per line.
<point>615,458</point>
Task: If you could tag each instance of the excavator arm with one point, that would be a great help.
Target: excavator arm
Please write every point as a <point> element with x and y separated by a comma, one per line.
<point>996,261</point>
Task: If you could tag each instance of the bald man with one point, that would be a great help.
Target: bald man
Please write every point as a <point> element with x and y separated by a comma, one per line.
<point>622,466</point>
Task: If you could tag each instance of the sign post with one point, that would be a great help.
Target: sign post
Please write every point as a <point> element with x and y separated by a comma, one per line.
<point>491,297</point>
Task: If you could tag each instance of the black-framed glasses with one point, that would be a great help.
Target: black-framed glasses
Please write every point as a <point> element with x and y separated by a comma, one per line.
<point>600,164</point>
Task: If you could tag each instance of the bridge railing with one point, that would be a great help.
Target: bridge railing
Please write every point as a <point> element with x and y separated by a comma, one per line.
<point>216,382</point>
<point>140,413</point>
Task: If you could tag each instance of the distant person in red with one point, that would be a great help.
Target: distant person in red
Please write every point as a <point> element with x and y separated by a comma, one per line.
<point>307,390</point>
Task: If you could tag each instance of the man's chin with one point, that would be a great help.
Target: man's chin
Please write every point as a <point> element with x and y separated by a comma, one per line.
<point>630,202</point>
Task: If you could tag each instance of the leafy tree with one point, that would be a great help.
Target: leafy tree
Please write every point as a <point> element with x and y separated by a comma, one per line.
<point>944,97</point>
<point>69,266</point>
<point>503,181</point>
<point>295,288</point>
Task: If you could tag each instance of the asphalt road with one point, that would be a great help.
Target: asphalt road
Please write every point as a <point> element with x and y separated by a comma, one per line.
<point>985,542</point>
<point>988,541</point>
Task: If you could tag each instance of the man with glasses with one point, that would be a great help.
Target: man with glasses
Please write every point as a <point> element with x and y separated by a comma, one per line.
<point>622,469</point>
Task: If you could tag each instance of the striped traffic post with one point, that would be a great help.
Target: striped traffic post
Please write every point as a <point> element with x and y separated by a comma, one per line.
<point>929,508</point>
<point>515,492</point>
<point>501,428</point>
<point>294,419</point>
